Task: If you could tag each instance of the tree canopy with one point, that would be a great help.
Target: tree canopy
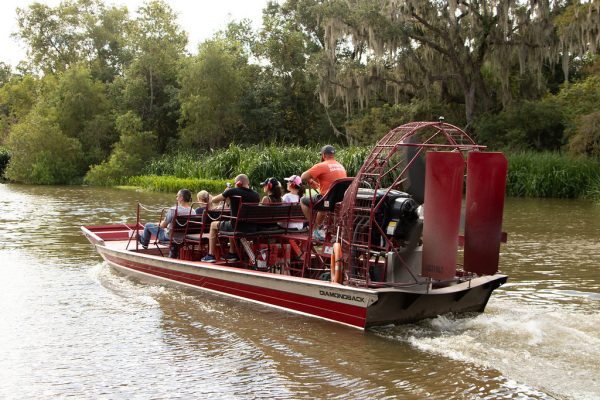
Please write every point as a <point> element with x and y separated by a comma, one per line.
<point>115,89</point>
<point>458,48</point>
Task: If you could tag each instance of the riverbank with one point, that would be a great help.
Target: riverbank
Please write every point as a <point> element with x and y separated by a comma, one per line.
<point>530,174</point>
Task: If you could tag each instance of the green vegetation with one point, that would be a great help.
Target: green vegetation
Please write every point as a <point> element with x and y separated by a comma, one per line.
<point>171,184</point>
<point>4,159</point>
<point>530,174</point>
<point>106,94</point>
<point>258,162</point>
<point>552,175</point>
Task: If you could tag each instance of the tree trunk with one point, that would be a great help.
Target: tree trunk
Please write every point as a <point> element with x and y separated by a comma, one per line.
<point>470,97</point>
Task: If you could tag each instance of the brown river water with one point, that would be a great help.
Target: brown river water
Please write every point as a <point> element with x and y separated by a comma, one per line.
<point>72,327</point>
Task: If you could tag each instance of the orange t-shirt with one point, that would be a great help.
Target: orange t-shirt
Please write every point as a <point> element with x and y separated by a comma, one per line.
<point>326,172</point>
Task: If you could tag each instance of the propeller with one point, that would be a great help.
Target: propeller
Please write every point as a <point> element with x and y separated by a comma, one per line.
<point>416,171</point>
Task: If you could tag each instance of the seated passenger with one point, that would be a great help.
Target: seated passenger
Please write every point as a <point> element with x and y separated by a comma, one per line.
<point>273,191</point>
<point>295,192</point>
<point>247,195</point>
<point>204,200</point>
<point>162,229</point>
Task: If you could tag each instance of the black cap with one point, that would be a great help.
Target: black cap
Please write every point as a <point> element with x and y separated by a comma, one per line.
<point>274,182</point>
<point>327,149</point>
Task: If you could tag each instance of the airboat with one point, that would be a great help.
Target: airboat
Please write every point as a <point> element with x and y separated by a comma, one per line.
<point>415,234</point>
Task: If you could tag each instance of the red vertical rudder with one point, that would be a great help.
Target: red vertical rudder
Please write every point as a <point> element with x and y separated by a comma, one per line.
<point>486,185</point>
<point>443,197</point>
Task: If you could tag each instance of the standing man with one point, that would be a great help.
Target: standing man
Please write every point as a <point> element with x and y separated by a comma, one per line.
<point>161,230</point>
<point>242,190</point>
<point>321,175</point>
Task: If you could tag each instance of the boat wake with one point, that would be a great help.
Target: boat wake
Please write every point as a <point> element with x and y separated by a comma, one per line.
<point>555,351</point>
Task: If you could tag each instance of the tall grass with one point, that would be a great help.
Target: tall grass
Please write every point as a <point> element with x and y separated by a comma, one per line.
<point>169,183</point>
<point>258,162</point>
<point>551,175</point>
<point>529,174</point>
<point>181,165</point>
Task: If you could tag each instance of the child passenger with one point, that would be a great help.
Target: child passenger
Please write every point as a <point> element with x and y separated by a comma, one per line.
<point>204,199</point>
<point>295,192</point>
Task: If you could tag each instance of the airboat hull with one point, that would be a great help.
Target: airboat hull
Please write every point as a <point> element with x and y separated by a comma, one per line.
<point>351,306</point>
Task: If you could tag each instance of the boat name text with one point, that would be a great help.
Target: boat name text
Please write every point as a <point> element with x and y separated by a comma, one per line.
<point>342,296</point>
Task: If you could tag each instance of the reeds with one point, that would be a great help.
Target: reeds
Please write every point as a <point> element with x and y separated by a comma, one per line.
<point>551,175</point>
<point>169,183</point>
<point>258,162</point>
<point>530,174</point>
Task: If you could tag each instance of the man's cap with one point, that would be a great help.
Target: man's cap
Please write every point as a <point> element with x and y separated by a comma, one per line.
<point>274,182</point>
<point>295,179</point>
<point>327,149</point>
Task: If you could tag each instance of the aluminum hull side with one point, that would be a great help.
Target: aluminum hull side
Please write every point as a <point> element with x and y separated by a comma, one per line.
<point>352,306</point>
<point>315,298</point>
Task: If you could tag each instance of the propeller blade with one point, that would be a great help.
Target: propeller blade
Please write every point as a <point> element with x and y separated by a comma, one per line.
<point>416,172</point>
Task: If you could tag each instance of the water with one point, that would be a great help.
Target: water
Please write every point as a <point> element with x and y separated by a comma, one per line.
<point>72,327</point>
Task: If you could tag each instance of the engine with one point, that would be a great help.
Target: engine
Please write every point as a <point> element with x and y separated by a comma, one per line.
<point>398,214</point>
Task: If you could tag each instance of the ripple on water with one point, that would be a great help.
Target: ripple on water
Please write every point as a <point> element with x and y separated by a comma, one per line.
<point>554,351</point>
<point>71,327</point>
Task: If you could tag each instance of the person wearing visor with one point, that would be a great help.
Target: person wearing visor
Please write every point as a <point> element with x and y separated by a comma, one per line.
<point>295,192</point>
<point>273,191</point>
<point>321,176</point>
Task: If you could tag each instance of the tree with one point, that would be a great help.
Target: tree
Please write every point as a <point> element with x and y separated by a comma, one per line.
<point>75,31</point>
<point>5,73</point>
<point>579,104</point>
<point>134,148</point>
<point>287,85</point>
<point>83,112</point>
<point>17,98</point>
<point>41,153</point>
<point>211,87</point>
<point>150,87</point>
<point>425,48</point>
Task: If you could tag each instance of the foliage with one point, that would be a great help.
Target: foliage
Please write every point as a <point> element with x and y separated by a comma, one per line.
<point>409,48</point>
<point>374,123</point>
<point>4,159</point>
<point>149,87</point>
<point>75,31</point>
<point>167,183</point>
<point>41,153</point>
<point>129,155</point>
<point>551,175</point>
<point>5,73</point>
<point>282,105</point>
<point>18,96</point>
<point>82,112</point>
<point>535,125</point>
<point>258,162</point>
<point>211,86</point>
<point>586,139</point>
<point>579,98</point>
<point>579,103</point>
<point>594,191</point>
<point>180,164</point>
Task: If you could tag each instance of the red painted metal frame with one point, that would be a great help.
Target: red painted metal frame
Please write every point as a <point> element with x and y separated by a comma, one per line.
<point>389,159</point>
